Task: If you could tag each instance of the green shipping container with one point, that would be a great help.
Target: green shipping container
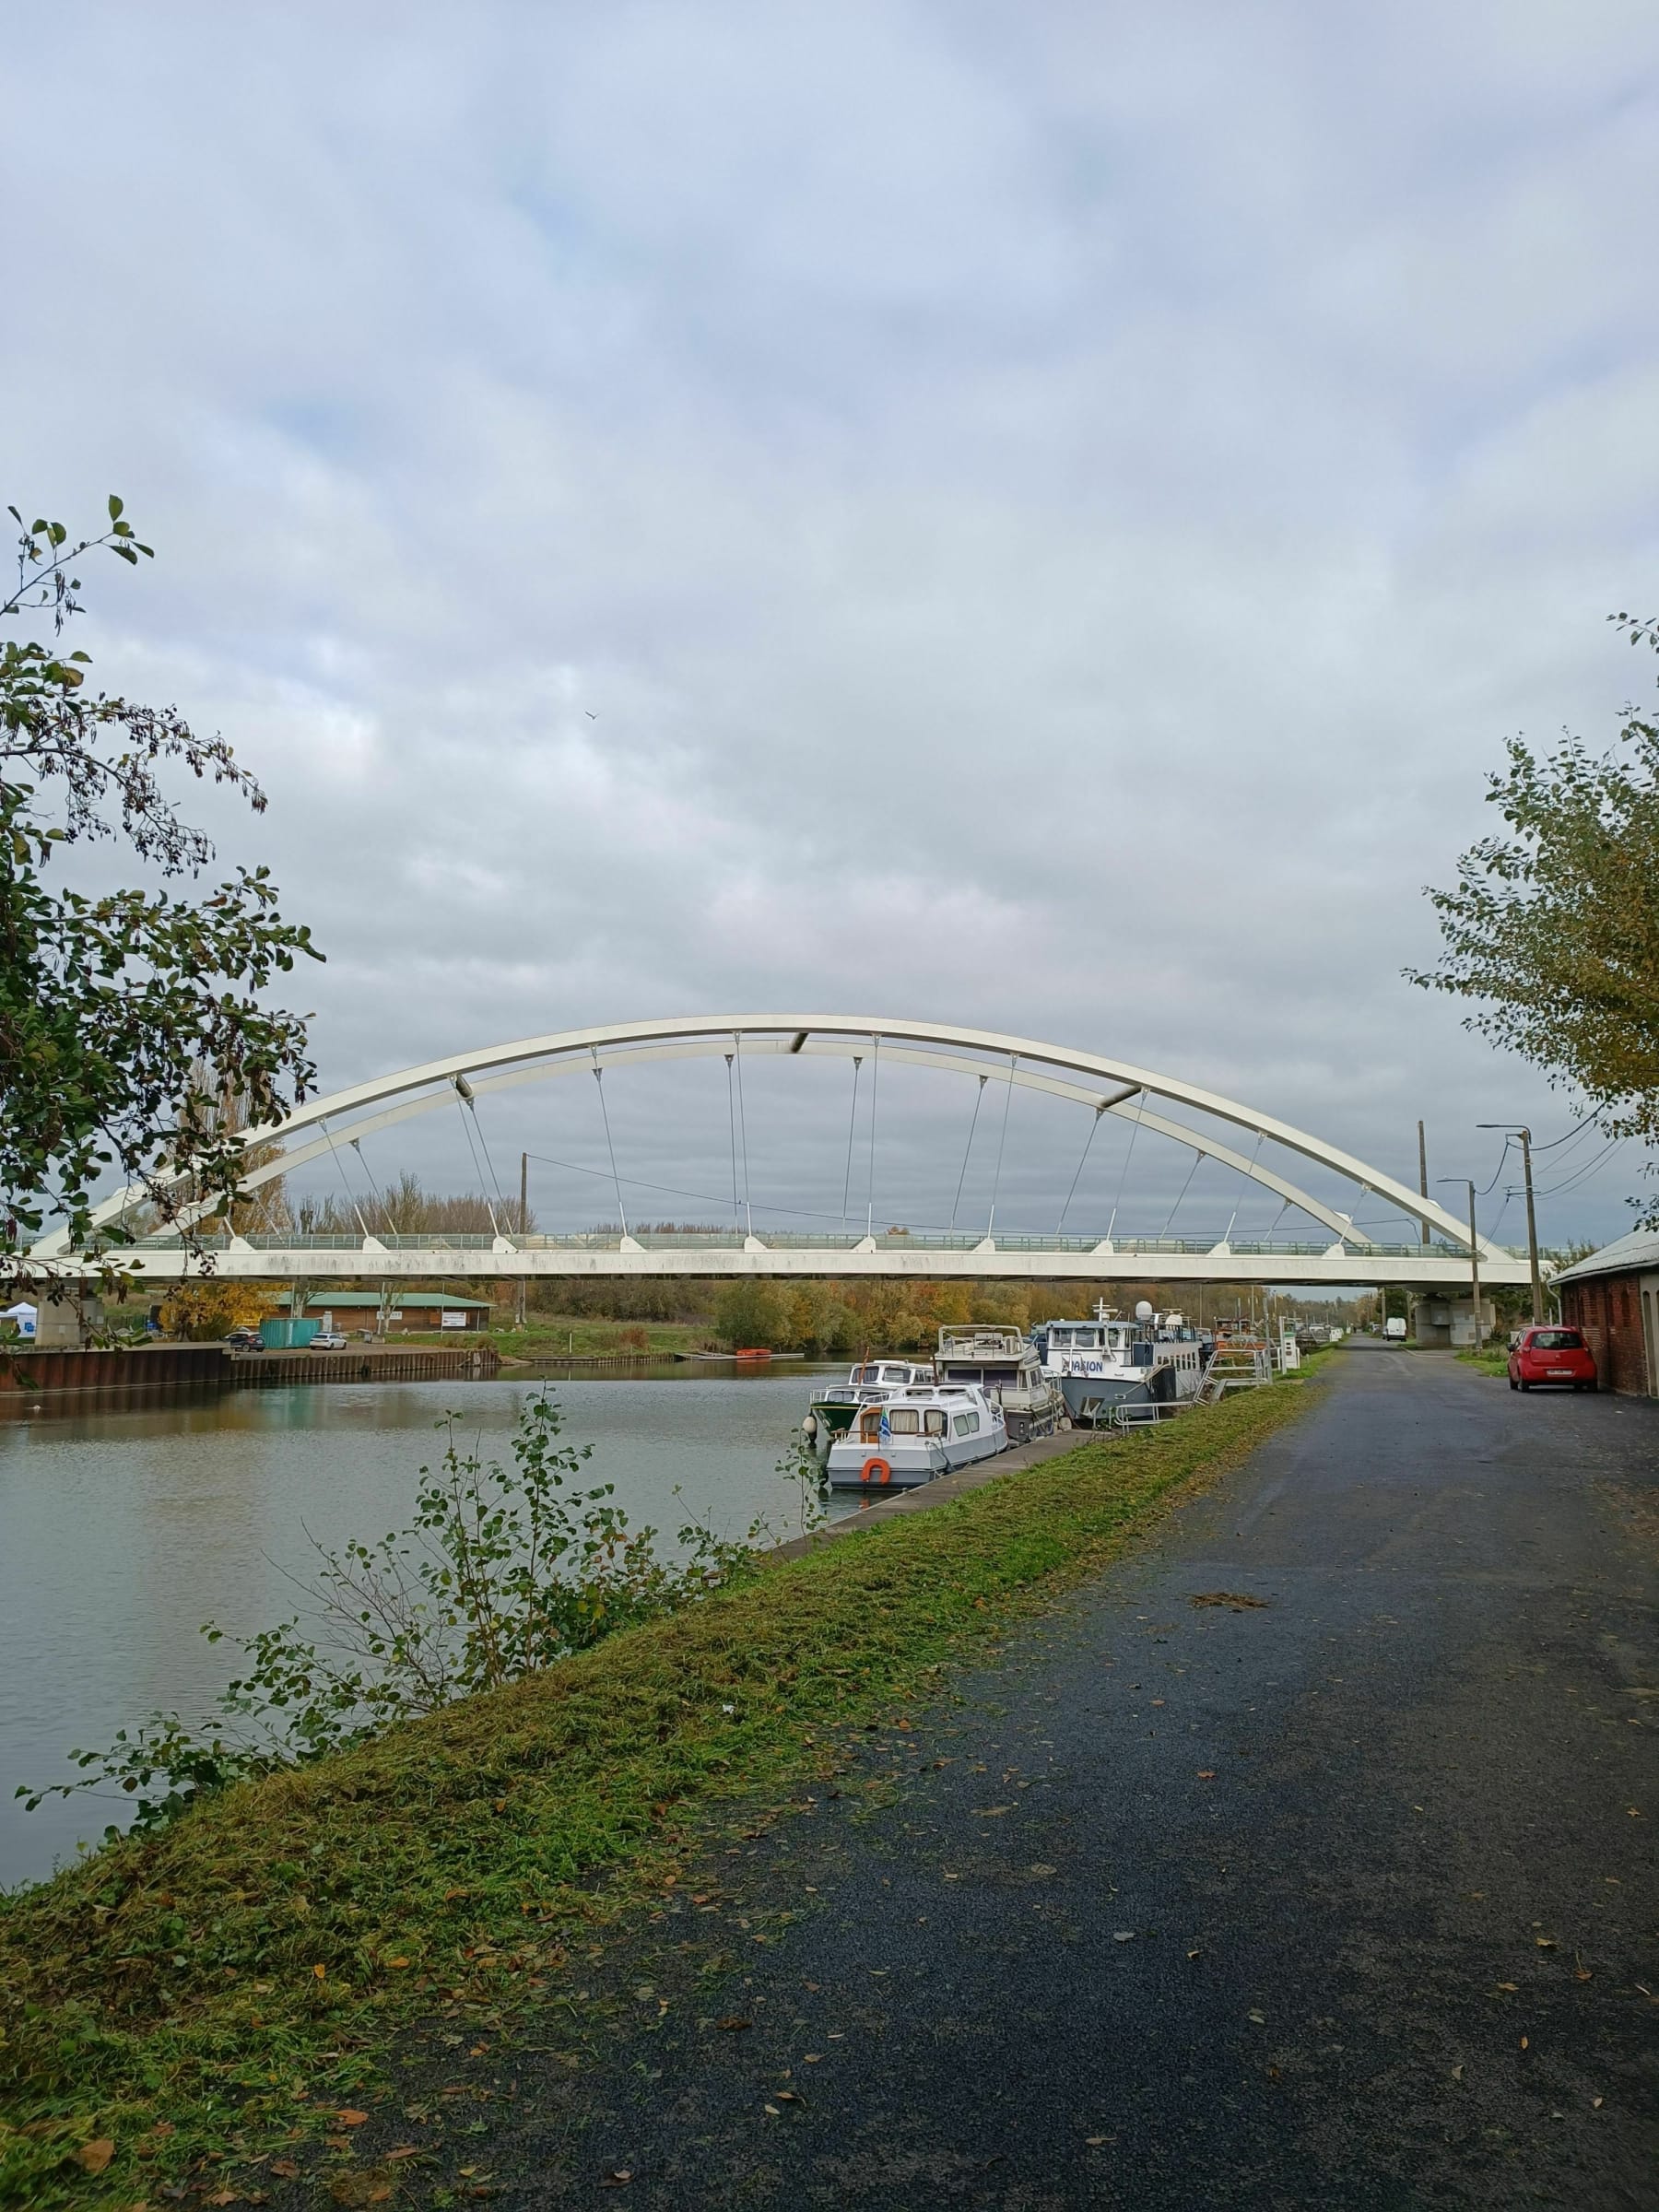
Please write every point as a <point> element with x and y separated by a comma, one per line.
<point>284,1335</point>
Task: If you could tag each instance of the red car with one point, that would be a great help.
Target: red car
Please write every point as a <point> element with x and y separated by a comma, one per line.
<point>1551,1356</point>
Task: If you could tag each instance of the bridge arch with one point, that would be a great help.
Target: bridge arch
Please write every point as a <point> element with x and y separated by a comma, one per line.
<point>1099,1081</point>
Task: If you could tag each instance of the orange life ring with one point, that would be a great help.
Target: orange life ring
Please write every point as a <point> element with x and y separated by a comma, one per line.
<point>876,1470</point>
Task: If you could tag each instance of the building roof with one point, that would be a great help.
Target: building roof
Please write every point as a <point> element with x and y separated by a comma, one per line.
<point>320,1301</point>
<point>1637,1254</point>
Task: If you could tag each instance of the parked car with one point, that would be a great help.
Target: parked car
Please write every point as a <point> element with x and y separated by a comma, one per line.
<point>1553,1355</point>
<point>244,1340</point>
<point>328,1340</point>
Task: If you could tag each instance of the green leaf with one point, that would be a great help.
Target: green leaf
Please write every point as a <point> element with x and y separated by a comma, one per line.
<point>116,507</point>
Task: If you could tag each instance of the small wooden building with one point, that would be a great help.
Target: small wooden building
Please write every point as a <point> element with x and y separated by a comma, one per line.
<point>1613,1297</point>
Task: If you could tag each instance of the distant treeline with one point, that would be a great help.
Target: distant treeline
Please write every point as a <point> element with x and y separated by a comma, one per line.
<point>832,1318</point>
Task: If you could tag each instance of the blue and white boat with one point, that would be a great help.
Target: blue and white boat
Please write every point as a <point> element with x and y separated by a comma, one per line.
<point>1110,1361</point>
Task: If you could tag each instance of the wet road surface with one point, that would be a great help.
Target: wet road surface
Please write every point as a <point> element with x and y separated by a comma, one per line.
<point>1344,1897</point>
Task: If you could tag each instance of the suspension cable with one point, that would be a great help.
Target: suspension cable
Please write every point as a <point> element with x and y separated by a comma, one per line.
<point>356,1145</point>
<point>350,1193</point>
<point>967,1155</point>
<point>472,1107</point>
<point>610,1148</point>
<point>732,1132</point>
<point>870,1183</point>
<point>1188,1185</point>
<point>748,1211</point>
<point>1001,1140</point>
<point>477,1170</point>
<point>1088,1141</point>
<point>1140,1100</point>
<point>851,1130</point>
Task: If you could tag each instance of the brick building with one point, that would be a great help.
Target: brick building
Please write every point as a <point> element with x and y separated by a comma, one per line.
<point>1614,1297</point>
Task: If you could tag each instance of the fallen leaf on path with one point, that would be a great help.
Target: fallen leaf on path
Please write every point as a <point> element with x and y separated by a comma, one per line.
<point>991,1812</point>
<point>94,2157</point>
<point>1241,1601</point>
<point>733,2022</point>
<point>1259,2018</point>
<point>1545,1943</point>
<point>1122,1935</point>
<point>351,2118</point>
<point>286,2168</point>
<point>1206,1773</point>
<point>1457,2073</point>
<point>1042,1870</point>
<point>617,2178</point>
<point>774,2112</point>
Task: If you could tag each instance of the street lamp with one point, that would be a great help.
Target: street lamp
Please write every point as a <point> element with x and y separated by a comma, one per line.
<point>1514,1129</point>
<point>1468,1185</point>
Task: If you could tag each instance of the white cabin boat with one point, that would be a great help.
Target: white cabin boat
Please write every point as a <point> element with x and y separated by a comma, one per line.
<point>1008,1367</point>
<point>832,1410</point>
<point>900,1443</point>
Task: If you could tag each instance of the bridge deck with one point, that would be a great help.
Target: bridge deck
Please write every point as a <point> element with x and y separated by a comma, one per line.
<point>1171,1259</point>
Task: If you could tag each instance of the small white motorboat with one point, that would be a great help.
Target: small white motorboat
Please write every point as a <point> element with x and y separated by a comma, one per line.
<point>905,1440</point>
<point>872,1381</point>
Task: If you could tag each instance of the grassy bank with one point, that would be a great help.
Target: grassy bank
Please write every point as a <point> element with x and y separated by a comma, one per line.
<point>180,2006</point>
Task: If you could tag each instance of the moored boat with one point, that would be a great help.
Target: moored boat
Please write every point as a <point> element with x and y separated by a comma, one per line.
<point>1007,1367</point>
<point>832,1410</point>
<point>901,1442</point>
<point>1109,1362</point>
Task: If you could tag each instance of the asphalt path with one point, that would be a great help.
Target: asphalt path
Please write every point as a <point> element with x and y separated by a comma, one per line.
<point>1341,1897</point>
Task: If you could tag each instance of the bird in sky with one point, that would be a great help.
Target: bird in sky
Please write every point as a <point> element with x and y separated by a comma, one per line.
<point>590,714</point>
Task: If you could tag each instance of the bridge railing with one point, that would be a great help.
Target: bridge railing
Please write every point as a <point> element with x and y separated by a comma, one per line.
<point>731,1240</point>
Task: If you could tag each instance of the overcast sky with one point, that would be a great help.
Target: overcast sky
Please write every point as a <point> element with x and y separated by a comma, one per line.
<point>1035,516</point>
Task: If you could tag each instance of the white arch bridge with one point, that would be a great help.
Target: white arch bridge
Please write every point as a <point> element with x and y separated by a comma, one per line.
<point>1321,1244</point>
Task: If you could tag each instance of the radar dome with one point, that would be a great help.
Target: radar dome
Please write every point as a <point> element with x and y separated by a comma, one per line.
<point>1143,1311</point>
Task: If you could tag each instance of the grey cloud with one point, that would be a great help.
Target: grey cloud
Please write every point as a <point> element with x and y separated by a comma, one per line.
<point>1054,515</point>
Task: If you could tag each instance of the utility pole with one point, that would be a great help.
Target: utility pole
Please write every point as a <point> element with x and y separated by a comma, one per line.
<point>1468,1183</point>
<point>1423,1176</point>
<point>522,1223</point>
<point>1516,1130</point>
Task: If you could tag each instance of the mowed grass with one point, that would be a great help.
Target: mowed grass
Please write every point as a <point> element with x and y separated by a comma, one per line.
<point>181,2004</point>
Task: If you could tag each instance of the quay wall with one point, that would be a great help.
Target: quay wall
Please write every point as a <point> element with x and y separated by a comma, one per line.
<point>143,1368</point>
<point>117,1373</point>
<point>364,1364</point>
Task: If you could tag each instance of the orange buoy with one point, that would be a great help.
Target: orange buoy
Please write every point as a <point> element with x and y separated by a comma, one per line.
<point>876,1470</point>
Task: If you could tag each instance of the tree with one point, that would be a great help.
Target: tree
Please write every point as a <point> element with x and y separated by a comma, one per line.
<point>127,1017</point>
<point>1554,925</point>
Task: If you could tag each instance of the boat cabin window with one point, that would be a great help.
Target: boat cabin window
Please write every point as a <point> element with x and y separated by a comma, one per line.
<point>902,1421</point>
<point>937,1421</point>
<point>967,1424</point>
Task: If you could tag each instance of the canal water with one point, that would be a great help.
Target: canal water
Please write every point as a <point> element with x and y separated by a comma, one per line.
<point>123,1529</point>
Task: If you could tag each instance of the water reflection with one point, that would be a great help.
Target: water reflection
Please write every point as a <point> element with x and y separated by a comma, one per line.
<point>125,1524</point>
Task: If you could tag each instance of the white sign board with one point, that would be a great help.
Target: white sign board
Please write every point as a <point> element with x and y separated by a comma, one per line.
<point>449,1318</point>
